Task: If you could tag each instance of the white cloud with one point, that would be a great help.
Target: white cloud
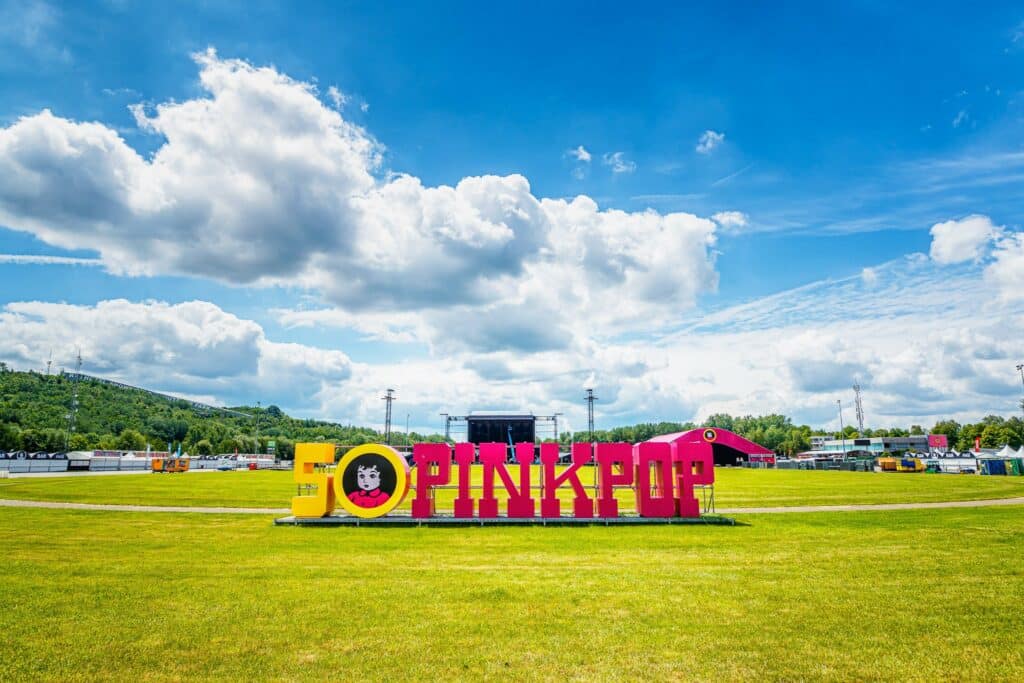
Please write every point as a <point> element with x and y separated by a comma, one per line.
<point>43,260</point>
<point>927,341</point>
<point>959,119</point>
<point>192,348</point>
<point>709,139</point>
<point>580,154</point>
<point>618,162</point>
<point>967,239</point>
<point>259,183</point>
<point>339,98</point>
<point>1007,269</point>
<point>731,219</point>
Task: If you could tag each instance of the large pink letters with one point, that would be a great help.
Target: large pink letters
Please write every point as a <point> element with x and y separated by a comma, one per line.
<point>610,455</point>
<point>427,456</point>
<point>659,455</point>
<point>694,464</point>
<point>464,459</point>
<point>550,506</point>
<point>520,503</point>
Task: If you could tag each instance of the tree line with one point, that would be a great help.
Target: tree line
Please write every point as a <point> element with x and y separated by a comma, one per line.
<point>34,417</point>
<point>778,433</point>
<point>34,409</point>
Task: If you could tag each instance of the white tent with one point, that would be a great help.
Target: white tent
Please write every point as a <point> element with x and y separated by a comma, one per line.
<point>1007,452</point>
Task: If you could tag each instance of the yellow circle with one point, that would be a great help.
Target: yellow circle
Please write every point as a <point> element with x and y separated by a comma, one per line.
<point>710,435</point>
<point>401,480</point>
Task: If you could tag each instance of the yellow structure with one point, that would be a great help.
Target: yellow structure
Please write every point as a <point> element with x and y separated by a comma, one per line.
<point>910,465</point>
<point>307,476</point>
<point>888,464</point>
<point>170,464</point>
<point>397,462</point>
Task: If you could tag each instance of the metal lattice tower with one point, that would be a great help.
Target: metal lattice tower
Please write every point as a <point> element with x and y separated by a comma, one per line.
<point>389,397</point>
<point>860,407</point>
<point>49,363</point>
<point>590,412</point>
<point>1020,369</point>
<point>73,412</point>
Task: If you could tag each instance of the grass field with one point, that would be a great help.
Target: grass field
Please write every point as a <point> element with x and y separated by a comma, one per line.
<point>914,595</point>
<point>734,488</point>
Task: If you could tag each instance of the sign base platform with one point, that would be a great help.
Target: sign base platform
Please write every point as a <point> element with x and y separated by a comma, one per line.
<point>406,521</point>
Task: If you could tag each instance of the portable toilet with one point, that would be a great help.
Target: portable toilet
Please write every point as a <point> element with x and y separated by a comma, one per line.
<point>993,467</point>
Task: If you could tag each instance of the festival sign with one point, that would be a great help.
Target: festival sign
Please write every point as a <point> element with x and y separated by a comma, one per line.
<point>372,480</point>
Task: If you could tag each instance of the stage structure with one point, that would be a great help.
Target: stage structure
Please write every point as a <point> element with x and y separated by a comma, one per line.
<point>500,427</point>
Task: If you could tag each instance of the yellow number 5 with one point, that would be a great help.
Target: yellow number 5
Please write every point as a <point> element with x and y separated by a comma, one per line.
<point>307,457</point>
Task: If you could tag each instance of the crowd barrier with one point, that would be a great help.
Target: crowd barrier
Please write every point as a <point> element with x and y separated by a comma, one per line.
<point>33,466</point>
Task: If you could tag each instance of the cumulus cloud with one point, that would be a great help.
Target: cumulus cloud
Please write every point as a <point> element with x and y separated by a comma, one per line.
<point>967,239</point>
<point>193,347</point>
<point>708,140</point>
<point>257,182</point>
<point>618,162</point>
<point>520,300</point>
<point>820,362</point>
<point>927,341</point>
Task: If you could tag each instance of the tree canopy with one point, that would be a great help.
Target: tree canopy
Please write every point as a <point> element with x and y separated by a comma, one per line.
<point>34,409</point>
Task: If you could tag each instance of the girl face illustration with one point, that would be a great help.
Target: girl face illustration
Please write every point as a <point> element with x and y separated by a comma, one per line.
<point>368,478</point>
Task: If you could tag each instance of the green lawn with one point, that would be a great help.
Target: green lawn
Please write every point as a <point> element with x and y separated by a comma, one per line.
<point>914,595</point>
<point>734,488</point>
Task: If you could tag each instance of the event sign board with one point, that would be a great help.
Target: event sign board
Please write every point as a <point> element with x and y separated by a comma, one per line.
<point>372,480</point>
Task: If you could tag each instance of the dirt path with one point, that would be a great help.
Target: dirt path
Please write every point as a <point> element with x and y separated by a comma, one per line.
<point>721,511</point>
<point>142,508</point>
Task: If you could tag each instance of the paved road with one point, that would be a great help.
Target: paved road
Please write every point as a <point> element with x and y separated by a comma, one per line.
<point>89,473</point>
<point>723,511</point>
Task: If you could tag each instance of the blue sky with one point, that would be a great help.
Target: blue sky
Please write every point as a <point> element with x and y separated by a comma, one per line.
<point>801,148</point>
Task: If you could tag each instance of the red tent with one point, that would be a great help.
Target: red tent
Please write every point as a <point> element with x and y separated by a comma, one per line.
<point>729,448</point>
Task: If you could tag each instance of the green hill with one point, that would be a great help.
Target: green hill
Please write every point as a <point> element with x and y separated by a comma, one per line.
<point>34,409</point>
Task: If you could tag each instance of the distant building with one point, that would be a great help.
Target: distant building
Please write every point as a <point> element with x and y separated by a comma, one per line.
<point>817,441</point>
<point>876,445</point>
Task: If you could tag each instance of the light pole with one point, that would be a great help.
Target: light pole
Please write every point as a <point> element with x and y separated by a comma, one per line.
<point>389,397</point>
<point>1020,369</point>
<point>257,426</point>
<point>842,430</point>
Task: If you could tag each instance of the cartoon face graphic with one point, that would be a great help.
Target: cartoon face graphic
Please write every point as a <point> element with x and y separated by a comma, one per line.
<point>368,478</point>
<point>369,481</point>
